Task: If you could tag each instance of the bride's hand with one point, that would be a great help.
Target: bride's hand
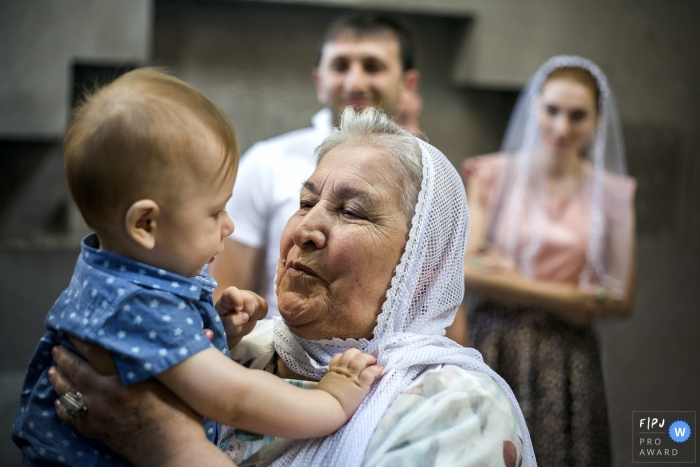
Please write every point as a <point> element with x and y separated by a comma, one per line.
<point>491,260</point>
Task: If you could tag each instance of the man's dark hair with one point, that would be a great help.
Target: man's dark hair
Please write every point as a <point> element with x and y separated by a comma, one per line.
<point>362,25</point>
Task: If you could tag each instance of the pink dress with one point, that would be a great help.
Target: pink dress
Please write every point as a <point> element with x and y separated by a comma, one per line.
<point>553,368</point>
<point>566,230</point>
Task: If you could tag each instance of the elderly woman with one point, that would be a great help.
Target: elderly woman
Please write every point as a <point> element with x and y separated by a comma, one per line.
<point>373,259</point>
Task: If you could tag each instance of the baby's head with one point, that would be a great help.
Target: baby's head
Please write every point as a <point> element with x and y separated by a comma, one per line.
<point>151,162</point>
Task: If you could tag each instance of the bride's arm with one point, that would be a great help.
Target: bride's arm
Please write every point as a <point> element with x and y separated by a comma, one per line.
<point>566,301</point>
<point>504,283</point>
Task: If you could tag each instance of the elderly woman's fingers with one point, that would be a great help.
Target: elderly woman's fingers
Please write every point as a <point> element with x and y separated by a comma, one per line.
<point>62,385</point>
<point>74,369</point>
<point>132,421</point>
<point>73,374</point>
<point>99,358</point>
<point>63,414</point>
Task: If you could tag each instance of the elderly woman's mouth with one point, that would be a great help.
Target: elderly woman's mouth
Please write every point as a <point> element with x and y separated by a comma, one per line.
<point>295,269</point>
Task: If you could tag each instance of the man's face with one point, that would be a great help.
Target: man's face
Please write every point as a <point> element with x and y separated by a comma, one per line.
<point>362,72</point>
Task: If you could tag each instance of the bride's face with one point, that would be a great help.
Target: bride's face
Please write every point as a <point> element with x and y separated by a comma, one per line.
<point>567,117</point>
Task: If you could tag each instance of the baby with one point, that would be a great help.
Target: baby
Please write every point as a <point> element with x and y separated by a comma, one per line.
<point>151,163</point>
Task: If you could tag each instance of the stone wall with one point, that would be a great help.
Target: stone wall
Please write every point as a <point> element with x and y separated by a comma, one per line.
<point>254,58</point>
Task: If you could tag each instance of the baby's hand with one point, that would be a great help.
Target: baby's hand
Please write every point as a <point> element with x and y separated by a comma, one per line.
<point>349,378</point>
<point>239,311</point>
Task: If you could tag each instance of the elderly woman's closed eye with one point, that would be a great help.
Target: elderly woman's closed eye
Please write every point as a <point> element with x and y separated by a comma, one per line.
<point>373,260</point>
<point>339,251</point>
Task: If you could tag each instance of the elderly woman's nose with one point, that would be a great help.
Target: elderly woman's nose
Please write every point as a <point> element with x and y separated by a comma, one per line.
<point>312,230</point>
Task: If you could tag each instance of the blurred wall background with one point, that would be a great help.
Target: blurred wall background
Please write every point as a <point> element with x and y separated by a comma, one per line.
<point>254,58</point>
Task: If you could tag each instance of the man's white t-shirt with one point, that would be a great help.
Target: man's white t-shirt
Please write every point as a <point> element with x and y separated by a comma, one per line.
<point>267,188</point>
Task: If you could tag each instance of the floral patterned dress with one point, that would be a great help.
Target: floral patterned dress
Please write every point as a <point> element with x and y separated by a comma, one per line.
<point>447,417</point>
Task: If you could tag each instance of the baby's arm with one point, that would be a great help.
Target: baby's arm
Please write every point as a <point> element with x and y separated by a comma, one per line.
<point>257,401</point>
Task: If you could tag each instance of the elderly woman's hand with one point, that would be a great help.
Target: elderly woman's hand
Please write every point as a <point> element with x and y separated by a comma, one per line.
<point>240,310</point>
<point>146,423</point>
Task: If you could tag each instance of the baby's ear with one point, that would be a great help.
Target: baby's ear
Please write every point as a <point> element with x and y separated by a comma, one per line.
<point>141,222</point>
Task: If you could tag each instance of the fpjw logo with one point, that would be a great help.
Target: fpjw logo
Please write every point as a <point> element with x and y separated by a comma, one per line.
<point>667,437</point>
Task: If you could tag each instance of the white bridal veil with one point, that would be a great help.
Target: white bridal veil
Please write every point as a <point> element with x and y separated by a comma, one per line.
<point>605,155</point>
<point>425,291</point>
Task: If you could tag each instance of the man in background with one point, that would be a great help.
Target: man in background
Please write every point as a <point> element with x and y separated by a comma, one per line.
<point>365,60</point>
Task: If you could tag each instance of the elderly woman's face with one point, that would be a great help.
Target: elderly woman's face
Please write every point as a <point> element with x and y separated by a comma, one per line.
<point>339,251</point>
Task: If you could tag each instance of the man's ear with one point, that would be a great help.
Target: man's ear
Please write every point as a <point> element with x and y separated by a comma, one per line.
<point>141,222</point>
<point>411,80</point>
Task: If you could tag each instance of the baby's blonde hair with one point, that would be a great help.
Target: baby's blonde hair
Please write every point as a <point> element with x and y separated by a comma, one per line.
<point>133,139</point>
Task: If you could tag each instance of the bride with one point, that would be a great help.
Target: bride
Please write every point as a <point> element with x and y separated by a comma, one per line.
<point>551,249</point>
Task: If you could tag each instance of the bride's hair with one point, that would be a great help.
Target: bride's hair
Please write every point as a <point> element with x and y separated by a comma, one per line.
<point>578,75</point>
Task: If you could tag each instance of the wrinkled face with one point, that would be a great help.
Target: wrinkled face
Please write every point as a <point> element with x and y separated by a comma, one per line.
<point>191,231</point>
<point>361,72</point>
<point>567,117</point>
<point>338,253</point>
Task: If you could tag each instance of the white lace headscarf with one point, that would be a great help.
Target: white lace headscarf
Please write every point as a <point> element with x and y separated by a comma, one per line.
<point>425,291</point>
<point>605,153</point>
